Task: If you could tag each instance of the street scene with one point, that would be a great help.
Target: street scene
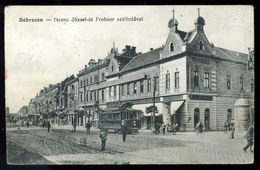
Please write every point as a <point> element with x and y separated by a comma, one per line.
<point>129,85</point>
<point>34,145</point>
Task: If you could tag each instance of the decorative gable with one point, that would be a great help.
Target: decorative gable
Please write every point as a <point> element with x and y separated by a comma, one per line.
<point>174,45</point>
<point>200,43</point>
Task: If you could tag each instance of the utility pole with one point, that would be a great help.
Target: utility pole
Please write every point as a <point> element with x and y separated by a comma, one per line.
<point>154,88</point>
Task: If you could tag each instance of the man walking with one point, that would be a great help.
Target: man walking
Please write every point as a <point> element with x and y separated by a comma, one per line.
<point>103,137</point>
<point>124,130</point>
<point>249,138</point>
<point>49,126</point>
<point>163,128</point>
<point>74,125</point>
<point>88,126</point>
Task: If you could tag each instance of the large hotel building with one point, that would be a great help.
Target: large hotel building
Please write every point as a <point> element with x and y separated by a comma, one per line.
<point>188,77</point>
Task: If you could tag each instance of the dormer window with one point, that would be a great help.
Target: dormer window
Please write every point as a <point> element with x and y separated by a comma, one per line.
<point>201,46</point>
<point>171,47</point>
<point>112,68</point>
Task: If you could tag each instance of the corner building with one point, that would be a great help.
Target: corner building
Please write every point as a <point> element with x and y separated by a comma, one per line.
<point>201,82</point>
<point>193,81</point>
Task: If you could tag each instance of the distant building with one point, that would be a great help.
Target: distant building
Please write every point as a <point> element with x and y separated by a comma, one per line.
<point>23,112</point>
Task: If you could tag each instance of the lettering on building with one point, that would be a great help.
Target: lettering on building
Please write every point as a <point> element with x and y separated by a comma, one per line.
<point>171,98</point>
<point>197,97</point>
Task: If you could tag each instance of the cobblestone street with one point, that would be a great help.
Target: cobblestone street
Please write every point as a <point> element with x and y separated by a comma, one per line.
<point>62,146</point>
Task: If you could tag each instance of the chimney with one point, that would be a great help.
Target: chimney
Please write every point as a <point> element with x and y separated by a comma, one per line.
<point>151,49</point>
<point>133,49</point>
<point>127,47</point>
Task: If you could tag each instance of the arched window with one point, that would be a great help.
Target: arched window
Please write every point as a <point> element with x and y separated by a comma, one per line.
<point>171,47</point>
<point>201,46</point>
<point>196,116</point>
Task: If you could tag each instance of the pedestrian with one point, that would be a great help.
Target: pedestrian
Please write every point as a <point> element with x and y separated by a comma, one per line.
<point>124,130</point>
<point>103,137</point>
<point>226,126</point>
<point>163,128</point>
<point>249,137</point>
<point>27,123</point>
<point>231,131</point>
<point>74,126</point>
<point>199,127</point>
<point>49,126</point>
<point>88,126</point>
<point>158,128</point>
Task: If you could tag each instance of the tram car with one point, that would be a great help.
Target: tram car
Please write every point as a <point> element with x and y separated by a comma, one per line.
<point>112,119</point>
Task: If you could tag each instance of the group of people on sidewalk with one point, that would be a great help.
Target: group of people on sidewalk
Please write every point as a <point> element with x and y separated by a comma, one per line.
<point>161,127</point>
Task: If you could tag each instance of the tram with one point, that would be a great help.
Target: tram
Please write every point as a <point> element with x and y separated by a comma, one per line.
<point>112,119</point>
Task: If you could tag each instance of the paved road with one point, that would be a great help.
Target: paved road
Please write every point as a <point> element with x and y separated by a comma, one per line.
<point>62,146</point>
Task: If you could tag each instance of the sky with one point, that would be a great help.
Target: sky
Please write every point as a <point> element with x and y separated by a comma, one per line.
<point>41,53</point>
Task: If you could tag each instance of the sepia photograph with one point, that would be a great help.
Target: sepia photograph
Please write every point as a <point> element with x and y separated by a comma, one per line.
<point>117,85</point>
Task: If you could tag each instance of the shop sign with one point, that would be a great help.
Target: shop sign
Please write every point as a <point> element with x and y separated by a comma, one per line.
<point>112,104</point>
<point>171,98</point>
<point>143,101</point>
<point>197,97</point>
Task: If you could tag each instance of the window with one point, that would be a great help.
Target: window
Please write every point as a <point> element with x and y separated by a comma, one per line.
<point>177,79</point>
<point>103,95</point>
<point>156,83</point>
<point>87,96</point>
<point>80,97</point>
<point>112,68</point>
<point>80,83</point>
<point>128,89</point>
<point>141,86</point>
<point>109,91</point>
<point>91,80</point>
<point>228,82</point>
<point>201,46</point>
<point>103,76</point>
<point>135,88</point>
<point>91,98</point>
<point>84,82</point>
<point>95,96</point>
<point>252,85</point>
<point>149,84</point>
<point>206,79</point>
<point>115,92</point>
<point>168,81</point>
<point>241,83</point>
<point>95,78</point>
<point>171,47</point>
<point>122,89</point>
<point>196,79</point>
<point>76,90</point>
<point>87,81</point>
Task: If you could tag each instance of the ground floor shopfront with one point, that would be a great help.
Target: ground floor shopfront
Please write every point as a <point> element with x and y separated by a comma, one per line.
<point>185,110</point>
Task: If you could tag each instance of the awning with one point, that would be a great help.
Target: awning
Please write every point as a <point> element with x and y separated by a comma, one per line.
<point>144,106</point>
<point>175,106</point>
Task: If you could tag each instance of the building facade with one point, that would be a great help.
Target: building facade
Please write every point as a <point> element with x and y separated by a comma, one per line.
<point>188,79</point>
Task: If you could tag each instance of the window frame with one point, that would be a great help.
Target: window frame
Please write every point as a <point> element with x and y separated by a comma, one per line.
<point>168,81</point>
<point>177,79</point>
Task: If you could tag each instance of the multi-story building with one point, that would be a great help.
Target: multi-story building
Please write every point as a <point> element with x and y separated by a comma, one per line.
<point>201,82</point>
<point>188,79</point>
<point>94,89</point>
<point>72,91</point>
